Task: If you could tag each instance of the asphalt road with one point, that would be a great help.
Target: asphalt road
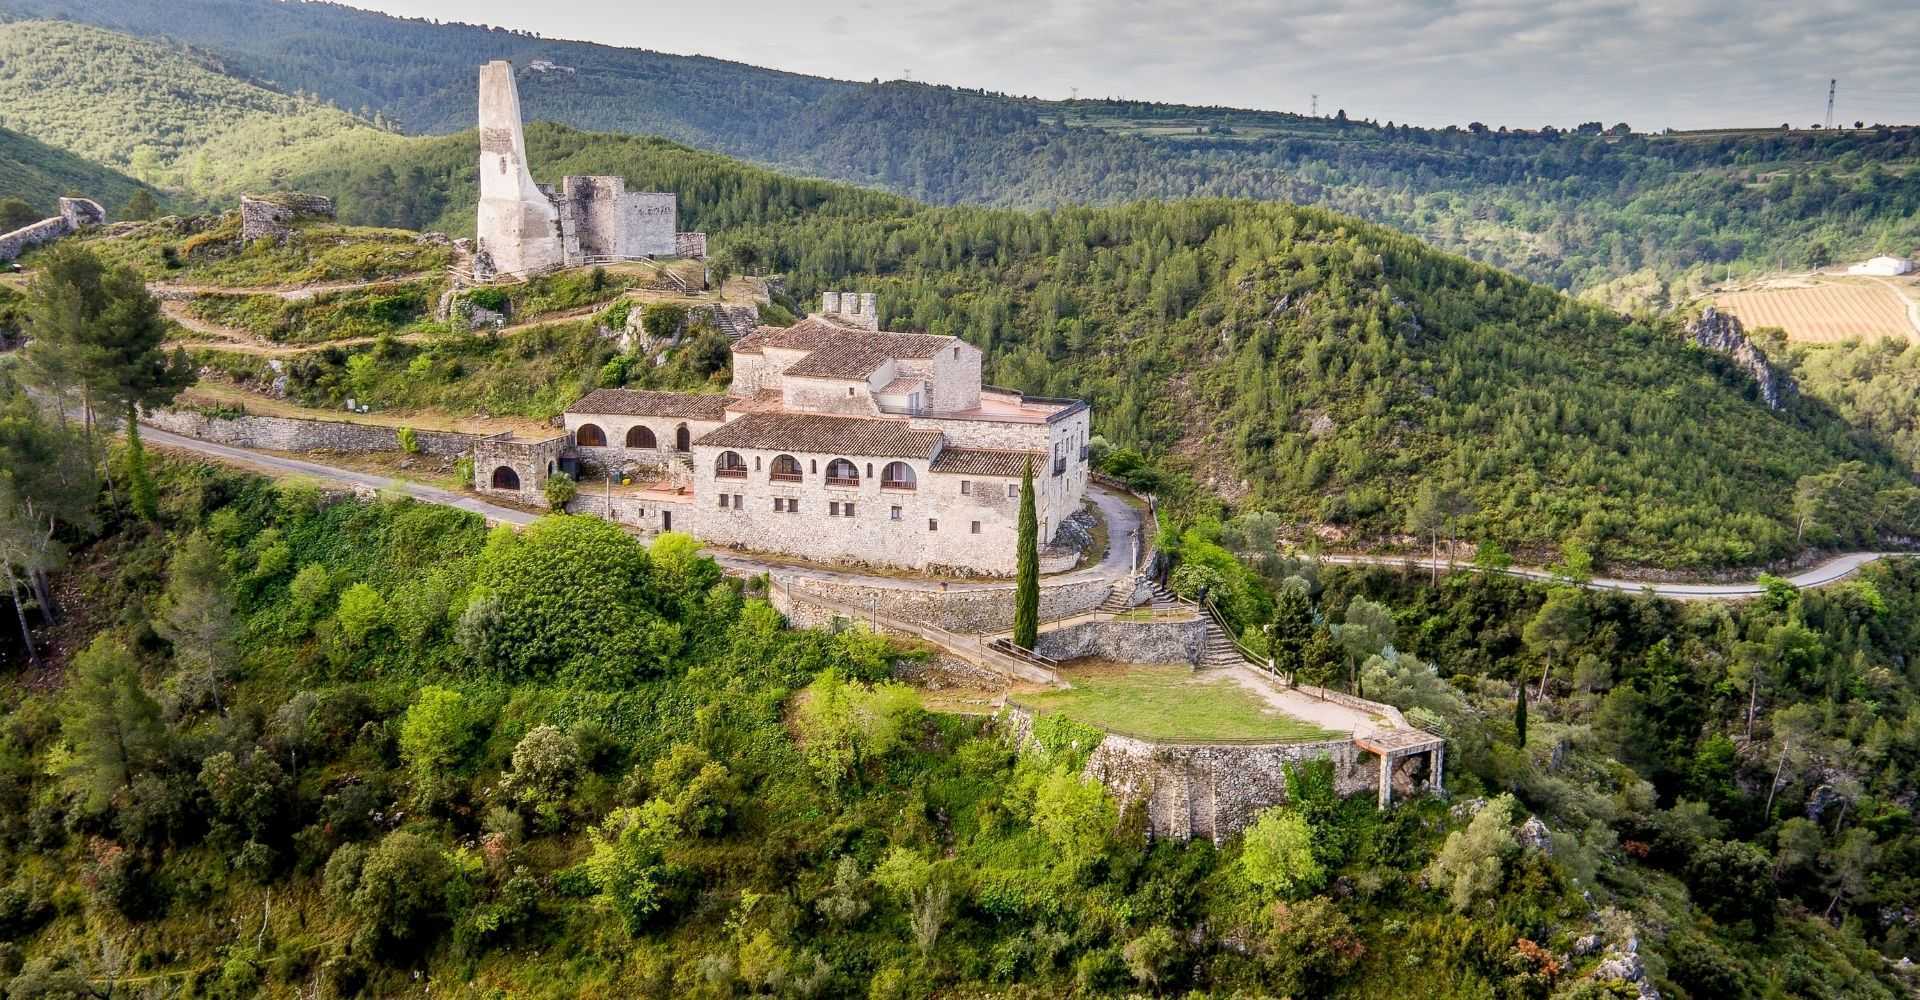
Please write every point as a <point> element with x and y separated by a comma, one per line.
<point>1833,570</point>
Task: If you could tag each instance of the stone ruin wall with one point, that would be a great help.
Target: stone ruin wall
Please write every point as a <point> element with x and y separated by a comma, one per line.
<point>650,221</point>
<point>273,216</point>
<point>1171,642</point>
<point>75,214</point>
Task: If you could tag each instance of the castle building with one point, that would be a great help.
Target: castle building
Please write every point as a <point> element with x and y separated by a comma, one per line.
<point>836,441</point>
<point>525,228</point>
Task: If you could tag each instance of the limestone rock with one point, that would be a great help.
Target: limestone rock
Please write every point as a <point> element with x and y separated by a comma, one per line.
<point>1722,334</point>
<point>1534,836</point>
<point>1823,798</point>
<point>481,318</point>
<point>270,216</point>
<point>1586,945</point>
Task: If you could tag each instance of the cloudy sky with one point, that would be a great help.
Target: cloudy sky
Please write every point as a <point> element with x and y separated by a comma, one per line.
<point>1677,63</point>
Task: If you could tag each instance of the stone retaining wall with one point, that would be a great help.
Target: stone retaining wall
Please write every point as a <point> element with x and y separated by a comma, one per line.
<point>298,434</point>
<point>274,215</point>
<point>1179,642</point>
<point>1212,790</point>
<point>968,611</point>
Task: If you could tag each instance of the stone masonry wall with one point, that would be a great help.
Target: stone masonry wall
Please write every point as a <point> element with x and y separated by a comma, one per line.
<point>1207,790</point>
<point>294,434</point>
<point>968,611</point>
<point>1174,642</point>
<point>21,240</point>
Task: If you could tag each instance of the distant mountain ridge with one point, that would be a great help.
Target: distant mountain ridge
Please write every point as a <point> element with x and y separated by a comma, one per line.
<point>40,174</point>
<point>1637,219</point>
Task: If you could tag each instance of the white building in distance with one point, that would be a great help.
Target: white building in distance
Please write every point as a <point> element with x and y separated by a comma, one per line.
<point>1883,266</point>
<point>836,442</point>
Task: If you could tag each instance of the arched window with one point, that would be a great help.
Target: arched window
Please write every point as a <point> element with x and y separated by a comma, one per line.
<point>682,441</point>
<point>786,469</point>
<point>730,466</point>
<point>590,436</point>
<point>641,437</point>
<point>897,476</point>
<point>504,478</point>
<point>841,472</point>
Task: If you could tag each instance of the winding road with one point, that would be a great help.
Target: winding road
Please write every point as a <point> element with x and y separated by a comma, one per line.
<point>1121,518</point>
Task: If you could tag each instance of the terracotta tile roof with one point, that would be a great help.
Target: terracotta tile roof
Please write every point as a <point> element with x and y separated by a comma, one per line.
<point>840,349</point>
<point>985,462</point>
<point>905,383</point>
<point>638,403</point>
<point>823,435</point>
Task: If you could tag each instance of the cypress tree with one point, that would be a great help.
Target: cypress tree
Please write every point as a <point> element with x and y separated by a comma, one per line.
<point>139,483</point>
<point>1026,586</point>
<point>1520,715</point>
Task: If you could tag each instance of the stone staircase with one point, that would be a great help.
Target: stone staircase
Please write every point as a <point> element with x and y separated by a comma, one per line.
<point>1120,597</point>
<point>1219,650</point>
<point>735,321</point>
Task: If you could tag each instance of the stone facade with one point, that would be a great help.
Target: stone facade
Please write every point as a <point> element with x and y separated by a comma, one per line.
<point>75,214</point>
<point>524,228</point>
<point>516,469</point>
<point>272,216</point>
<point>1172,642</point>
<point>295,434</point>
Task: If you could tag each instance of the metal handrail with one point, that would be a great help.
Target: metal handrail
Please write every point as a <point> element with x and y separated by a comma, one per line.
<point>1011,648</point>
<point>1218,619</point>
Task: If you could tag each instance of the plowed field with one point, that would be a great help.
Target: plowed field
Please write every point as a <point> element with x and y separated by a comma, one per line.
<point>1825,312</point>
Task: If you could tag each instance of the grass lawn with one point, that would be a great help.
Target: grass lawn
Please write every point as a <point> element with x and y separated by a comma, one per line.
<point>1171,703</point>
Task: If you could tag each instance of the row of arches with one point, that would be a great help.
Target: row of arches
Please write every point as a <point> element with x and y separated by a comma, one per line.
<point>840,471</point>
<point>638,436</point>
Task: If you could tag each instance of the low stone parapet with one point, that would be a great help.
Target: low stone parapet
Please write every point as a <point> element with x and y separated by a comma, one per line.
<point>301,434</point>
<point>969,608</point>
<point>1122,641</point>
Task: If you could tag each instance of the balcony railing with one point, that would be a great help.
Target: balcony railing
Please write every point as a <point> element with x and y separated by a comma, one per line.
<point>1059,466</point>
<point>896,484</point>
<point>739,473</point>
<point>784,477</point>
<point>843,480</point>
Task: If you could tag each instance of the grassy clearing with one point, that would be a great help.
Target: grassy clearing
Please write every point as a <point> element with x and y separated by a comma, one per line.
<point>1171,703</point>
<point>206,250</point>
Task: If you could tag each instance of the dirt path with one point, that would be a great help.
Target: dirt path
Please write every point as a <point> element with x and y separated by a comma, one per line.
<point>1831,571</point>
<point>1913,306</point>
<point>291,293</point>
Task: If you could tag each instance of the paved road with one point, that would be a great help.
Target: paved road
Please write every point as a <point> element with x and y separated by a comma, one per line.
<point>1122,519</point>
<point>1831,571</point>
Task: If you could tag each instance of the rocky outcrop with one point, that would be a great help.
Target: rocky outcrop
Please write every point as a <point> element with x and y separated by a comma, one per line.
<point>1720,333</point>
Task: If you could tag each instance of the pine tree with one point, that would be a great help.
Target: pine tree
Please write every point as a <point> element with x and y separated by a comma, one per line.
<point>141,207</point>
<point>1026,587</point>
<point>1520,715</point>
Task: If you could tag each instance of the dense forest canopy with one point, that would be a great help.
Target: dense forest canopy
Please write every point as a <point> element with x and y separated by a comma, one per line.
<point>1629,218</point>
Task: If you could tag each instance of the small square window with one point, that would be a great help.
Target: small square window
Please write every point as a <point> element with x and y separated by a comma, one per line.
<point>933,525</point>
<point>833,509</point>
<point>793,505</point>
<point>849,508</point>
<point>1013,490</point>
<point>976,527</point>
<point>896,514</point>
<point>739,502</point>
<point>723,501</point>
<point>966,487</point>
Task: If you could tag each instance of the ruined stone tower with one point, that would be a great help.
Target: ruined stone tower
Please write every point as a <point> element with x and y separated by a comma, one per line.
<point>519,226</point>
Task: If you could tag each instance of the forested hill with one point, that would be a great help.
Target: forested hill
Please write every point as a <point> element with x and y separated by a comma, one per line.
<point>1624,217</point>
<point>39,175</point>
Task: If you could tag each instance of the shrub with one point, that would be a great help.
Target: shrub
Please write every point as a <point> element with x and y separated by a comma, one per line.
<point>1277,854</point>
<point>400,893</point>
<point>434,738</point>
<point>361,612</point>
<point>1150,955</point>
<point>310,589</point>
<point>409,441</point>
<point>546,770</point>
<point>560,490</point>
<point>627,864</point>
<point>1472,863</point>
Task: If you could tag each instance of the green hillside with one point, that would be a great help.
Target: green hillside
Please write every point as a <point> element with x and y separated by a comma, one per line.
<point>169,118</point>
<point>40,174</point>
<point>1634,219</point>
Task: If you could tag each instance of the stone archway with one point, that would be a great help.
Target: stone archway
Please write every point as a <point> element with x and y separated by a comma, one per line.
<point>504,478</point>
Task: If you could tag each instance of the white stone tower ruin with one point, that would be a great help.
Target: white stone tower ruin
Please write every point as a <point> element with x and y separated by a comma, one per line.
<point>519,227</point>
<point>525,227</point>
